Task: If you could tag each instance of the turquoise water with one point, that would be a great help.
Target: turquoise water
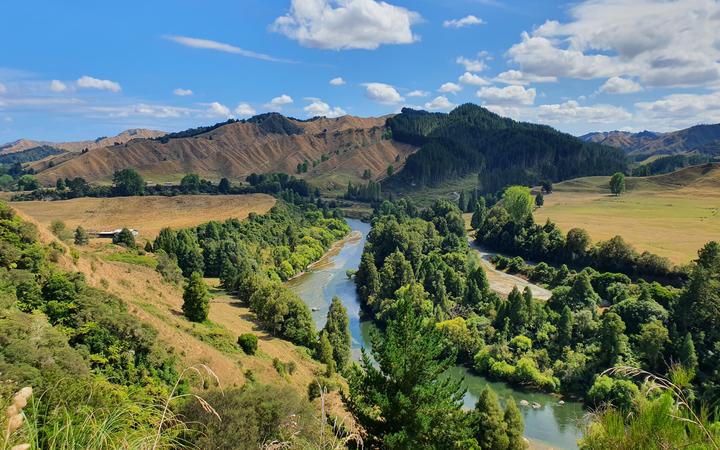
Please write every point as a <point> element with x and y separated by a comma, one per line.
<point>550,426</point>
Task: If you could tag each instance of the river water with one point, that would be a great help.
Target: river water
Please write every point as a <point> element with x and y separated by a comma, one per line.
<point>550,426</point>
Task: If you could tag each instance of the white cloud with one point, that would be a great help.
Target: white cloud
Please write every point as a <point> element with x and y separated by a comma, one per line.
<point>450,88</point>
<point>464,22</point>
<point>338,81</point>
<point>279,102</point>
<point>662,43</point>
<point>617,85</point>
<point>471,65</point>
<point>571,111</point>
<point>418,93</point>
<point>3,89</point>
<point>139,109</point>
<point>219,110</point>
<point>383,93</point>
<point>208,44</point>
<point>346,24</point>
<point>57,86</point>
<point>320,108</point>
<point>440,103</point>
<point>681,110</point>
<point>87,82</point>
<point>244,110</point>
<point>508,95</point>
<point>518,77</point>
<point>471,78</point>
<point>182,92</point>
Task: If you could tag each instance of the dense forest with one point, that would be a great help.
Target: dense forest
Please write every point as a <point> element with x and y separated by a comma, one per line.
<point>667,164</point>
<point>30,155</point>
<point>471,139</point>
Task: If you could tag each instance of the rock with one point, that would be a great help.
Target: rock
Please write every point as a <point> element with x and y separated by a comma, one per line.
<point>524,403</point>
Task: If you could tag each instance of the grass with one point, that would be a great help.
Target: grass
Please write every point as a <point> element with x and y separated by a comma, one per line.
<point>132,258</point>
<point>145,214</point>
<point>672,215</point>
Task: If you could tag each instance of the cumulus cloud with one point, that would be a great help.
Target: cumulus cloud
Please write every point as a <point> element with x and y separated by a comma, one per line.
<point>440,103</point>
<point>471,65</point>
<point>182,92</point>
<point>518,77</point>
<point>244,110</point>
<point>279,102</point>
<point>571,111</point>
<point>208,44</point>
<point>219,110</point>
<point>508,95</point>
<point>141,110</point>
<point>338,81</point>
<point>662,43</point>
<point>472,79</point>
<point>452,88</point>
<point>57,86</point>
<point>347,24</point>
<point>418,93</point>
<point>320,108</point>
<point>86,82</point>
<point>466,21</point>
<point>383,93</point>
<point>618,85</point>
<point>681,110</point>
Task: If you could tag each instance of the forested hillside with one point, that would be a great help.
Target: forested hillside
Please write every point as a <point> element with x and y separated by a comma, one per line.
<point>471,139</point>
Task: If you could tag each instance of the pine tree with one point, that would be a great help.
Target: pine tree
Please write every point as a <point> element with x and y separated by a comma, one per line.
<point>367,279</point>
<point>479,213</point>
<point>196,300</point>
<point>224,186</point>
<point>462,201</point>
<point>565,328</point>
<point>515,426</point>
<point>325,353</point>
<point>613,342</point>
<point>539,200</point>
<point>688,357</point>
<point>488,422</point>
<point>338,332</point>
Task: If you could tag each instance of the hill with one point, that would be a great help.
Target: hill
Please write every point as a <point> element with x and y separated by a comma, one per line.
<point>672,215</point>
<point>704,139</point>
<point>344,146</point>
<point>26,144</point>
<point>471,139</point>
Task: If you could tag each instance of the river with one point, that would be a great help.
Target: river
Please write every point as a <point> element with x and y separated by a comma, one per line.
<point>550,426</point>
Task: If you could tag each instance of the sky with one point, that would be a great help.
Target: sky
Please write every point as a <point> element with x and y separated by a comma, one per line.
<point>82,69</point>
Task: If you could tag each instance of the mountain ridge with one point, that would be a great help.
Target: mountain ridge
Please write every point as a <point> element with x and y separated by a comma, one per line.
<point>77,146</point>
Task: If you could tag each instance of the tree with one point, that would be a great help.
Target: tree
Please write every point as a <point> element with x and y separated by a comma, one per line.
<point>565,328</point>
<point>224,186</point>
<point>479,213</point>
<point>406,400</point>
<point>60,184</point>
<point>547,187</point>
<point>390,170</point>
<point>27,183</point>
<point>81,236</point>
<point>651,343</point>
<point>515,426</point>
<point>577,242</point>
<point>518,203</point>
<point>190,183</point>
<point>539,200</point>
<point>617,183</point>
<point>248,342</point>
<point>196,300</point>
<point>325,354</point>
<point>488,422</point>
<point>462,201</point>
<point>688,357</point>
<point>125,238</point>
<point>613,343</point>
<point>337,328</point>
<point>128,183</point>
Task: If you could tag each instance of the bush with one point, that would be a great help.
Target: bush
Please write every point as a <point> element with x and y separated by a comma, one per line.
<point>59,229</point>
<point>125,238</point>
<point>248,342</point>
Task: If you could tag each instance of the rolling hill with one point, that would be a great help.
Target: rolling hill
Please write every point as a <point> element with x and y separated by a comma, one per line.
<point>22,145</point>
<point>703,139</point>
<point>336,149</point>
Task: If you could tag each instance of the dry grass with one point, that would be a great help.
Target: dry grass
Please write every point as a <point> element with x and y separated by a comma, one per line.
<point>672,215</point>
<point>145,214</point>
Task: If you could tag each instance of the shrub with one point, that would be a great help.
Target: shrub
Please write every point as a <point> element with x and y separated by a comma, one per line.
<point>248,342</point>
<point>124,238</point>
<point>59,229</point>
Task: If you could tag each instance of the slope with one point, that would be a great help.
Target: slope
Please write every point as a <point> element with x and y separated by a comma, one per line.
<point>77,146</point>
<point>704,139</point>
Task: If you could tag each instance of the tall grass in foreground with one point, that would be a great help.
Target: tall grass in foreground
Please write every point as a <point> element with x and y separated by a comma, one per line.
<point>661,418</point>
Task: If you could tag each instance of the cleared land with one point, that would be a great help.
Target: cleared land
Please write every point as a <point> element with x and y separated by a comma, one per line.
<point>146,214</point>
<point>672,215</point>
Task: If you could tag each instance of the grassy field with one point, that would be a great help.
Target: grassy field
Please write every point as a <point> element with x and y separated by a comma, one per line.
<point>145,214</point>
<point>672,215</point>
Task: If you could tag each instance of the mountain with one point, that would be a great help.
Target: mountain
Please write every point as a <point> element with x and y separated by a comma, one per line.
<point>704,139</point>
<point>22,145</point>
<point>337,150</point>
<point>472,139</point>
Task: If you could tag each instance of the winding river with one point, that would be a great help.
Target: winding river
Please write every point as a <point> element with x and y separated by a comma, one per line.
<point>550,426</point>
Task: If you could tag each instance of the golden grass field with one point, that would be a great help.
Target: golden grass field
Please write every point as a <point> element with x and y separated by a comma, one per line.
<point>146,214</point>
<point>672,215</point>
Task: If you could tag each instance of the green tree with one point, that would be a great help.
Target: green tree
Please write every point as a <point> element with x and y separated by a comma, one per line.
<point>488,422</point>
<point>60,184</point>
<point>462,201</point>
<point>515,426</point>
<point>406,400</point>
<point>613,342</point>
<point>565,328</point>
<point>325,353</point>
<point>539,199</point>
<point>479,213</point>
<point>128,182</point>
<point>577,242</point>
<point>190,183</point>
<point>337,328</point>
<point>688,357</point>
<point>547,187</point>
<point>390,170</point>
<point>248,342</point>
<point>125,238</point>
<point>651,343</point>
<point>196,300</point>
<point>517,201</point>
<point>27,183</point>
<point>224,186</point>
<point>81,236</point>
<point>617,183</point>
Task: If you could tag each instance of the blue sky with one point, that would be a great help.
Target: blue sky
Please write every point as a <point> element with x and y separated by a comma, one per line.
<point>82,69</point>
